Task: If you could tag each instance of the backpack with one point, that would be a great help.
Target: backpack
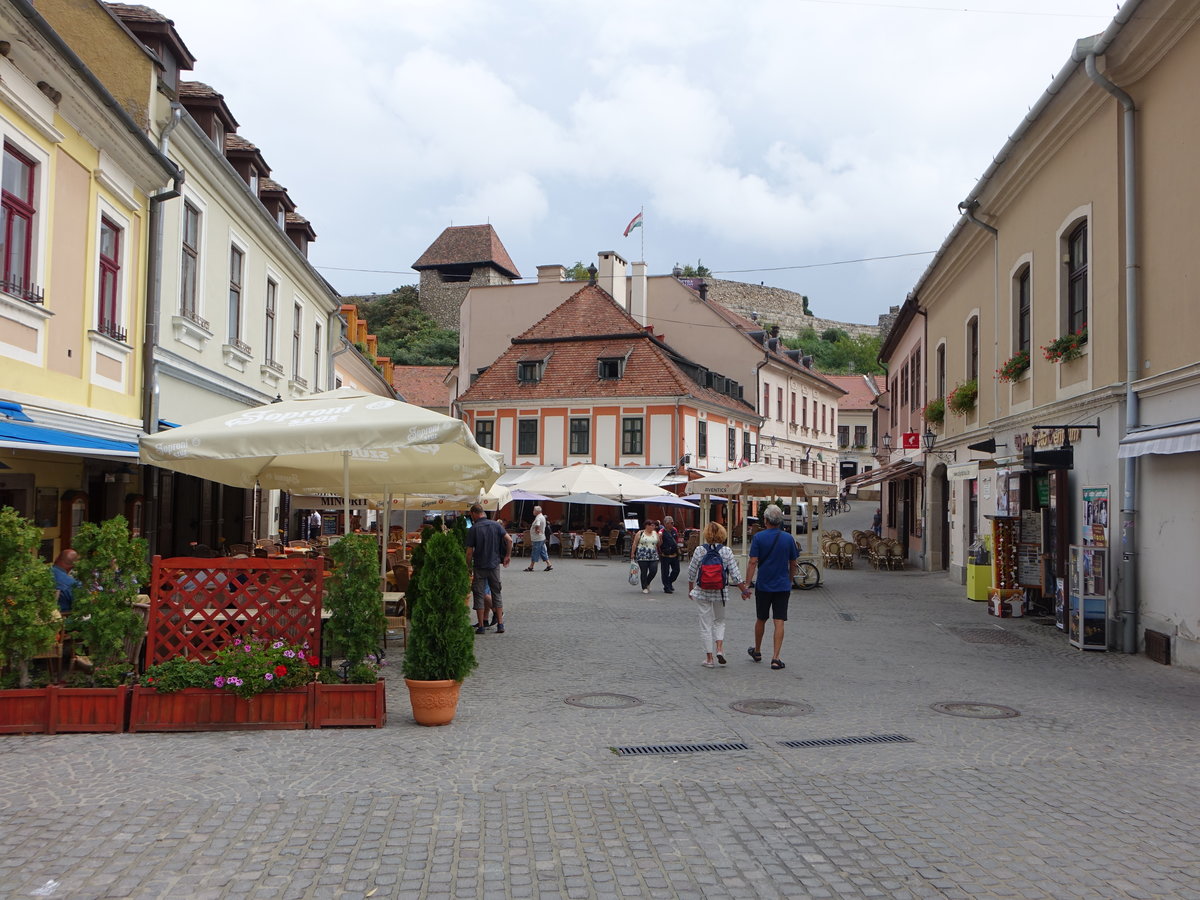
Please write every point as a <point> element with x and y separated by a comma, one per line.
<point>712,569</point>
<point>670,546</point>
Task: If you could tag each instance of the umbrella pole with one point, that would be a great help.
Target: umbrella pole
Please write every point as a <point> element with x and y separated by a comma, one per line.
<point>346,490</point>
<point>384,532</point>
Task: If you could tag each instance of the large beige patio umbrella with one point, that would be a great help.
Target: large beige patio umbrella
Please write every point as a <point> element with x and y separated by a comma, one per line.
<point>615,484</point>
<point>346,442</point>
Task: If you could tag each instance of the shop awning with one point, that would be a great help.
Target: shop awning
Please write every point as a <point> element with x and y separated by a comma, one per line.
<point>514,475</point>
<point>1182,437</point>
<point>20,436</point>
<point>890,473</point>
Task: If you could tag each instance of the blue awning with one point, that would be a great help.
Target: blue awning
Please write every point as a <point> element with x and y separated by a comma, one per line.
<point>19,436</point>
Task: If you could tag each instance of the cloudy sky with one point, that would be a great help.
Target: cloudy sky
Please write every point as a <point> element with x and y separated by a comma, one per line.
<point>765,138</point>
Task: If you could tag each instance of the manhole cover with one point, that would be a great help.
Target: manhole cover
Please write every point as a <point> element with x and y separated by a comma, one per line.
<point>988,636</point>
<point>975,710</point>
<point>603,701</point>
<point>768,707</point>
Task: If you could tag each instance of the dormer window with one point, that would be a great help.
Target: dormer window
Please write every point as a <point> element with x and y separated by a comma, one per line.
<point>530,372</point>
<point>610,368</point>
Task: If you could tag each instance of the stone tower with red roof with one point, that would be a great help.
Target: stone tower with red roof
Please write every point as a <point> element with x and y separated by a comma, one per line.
<point>462,257</point>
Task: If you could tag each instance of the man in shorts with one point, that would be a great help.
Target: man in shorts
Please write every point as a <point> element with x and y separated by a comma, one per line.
<point>539,537</point>
<point>488,548</point>
<point>773,556</point>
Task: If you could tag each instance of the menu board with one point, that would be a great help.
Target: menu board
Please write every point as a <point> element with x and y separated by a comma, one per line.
<point>1031,526</point>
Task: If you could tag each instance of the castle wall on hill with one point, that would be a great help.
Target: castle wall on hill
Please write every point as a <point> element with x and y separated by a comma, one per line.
<point>776,306</point>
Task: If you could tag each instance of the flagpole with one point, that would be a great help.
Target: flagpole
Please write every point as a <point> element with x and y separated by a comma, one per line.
<point>642,236</point>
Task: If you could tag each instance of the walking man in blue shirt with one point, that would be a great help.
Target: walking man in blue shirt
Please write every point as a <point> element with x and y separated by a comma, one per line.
<point>773,556</point>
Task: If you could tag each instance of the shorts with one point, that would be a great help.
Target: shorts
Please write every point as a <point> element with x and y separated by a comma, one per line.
<point>771,605</point>
<point>484,579</point>
<point>538,553</point>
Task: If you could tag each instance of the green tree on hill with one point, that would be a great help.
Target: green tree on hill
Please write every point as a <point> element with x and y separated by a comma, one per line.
<point>837,353</point>
<point>406,333</point>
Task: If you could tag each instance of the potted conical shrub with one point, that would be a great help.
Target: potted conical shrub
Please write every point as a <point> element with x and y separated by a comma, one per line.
<point>441,641</point>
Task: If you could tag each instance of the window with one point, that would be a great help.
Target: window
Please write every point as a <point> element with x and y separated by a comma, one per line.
<point>269,329</point>
<point>822,417</point>
<point>941,371</point>
<point>732,445</point>
<point>804,412</point>
<point>973,348</point>
<point>702,439</point>
<point>746,445</point>
<point>914,394</point>
<point>843,434</point>
<point>766,408</point>
<point>779,404</point>
<point>580,440</point>
<point>1077,275</point>
<point>631,436</point>
<point>190,262</point>
<point>860,435</point>
<point>297,321</point>
<point>609,368</point>
<point>527,437</point>
<point>316,379</point>
<point>792,420</point>
<point>904,385</point>
<point>892,397</point>
<point>485,433</point>
<point>16,230</point>
<point>529,372</point>
<point>110,281</point>
<point>236,260</point>
<point>1022,337</point>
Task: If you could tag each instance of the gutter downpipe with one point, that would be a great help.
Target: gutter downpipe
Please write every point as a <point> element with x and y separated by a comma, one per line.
<point>1129,594</point>
<point>967,208</point>
<point>153,298</point>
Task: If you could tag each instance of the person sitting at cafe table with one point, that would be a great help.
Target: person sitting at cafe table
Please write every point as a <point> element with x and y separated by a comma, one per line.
<point>64,581</point>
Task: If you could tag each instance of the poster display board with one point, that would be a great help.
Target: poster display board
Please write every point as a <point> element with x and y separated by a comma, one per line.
<point>1087,626</point>
<point>1095,515</point>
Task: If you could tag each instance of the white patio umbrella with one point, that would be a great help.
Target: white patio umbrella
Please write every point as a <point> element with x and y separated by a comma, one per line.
<point>615,484</point>
<point>344,442</point>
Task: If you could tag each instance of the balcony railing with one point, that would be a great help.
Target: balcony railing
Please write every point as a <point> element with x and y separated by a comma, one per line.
<point>25,290</point>
<point>192,316</point>
<point>240,346</point>
<point>112,330</point>
<point>274,366</point>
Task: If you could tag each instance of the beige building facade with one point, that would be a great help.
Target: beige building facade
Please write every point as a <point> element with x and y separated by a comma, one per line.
<point>1080,228</point>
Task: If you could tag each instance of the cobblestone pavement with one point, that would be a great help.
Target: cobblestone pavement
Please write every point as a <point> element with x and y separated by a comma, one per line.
<point>1092,791</point>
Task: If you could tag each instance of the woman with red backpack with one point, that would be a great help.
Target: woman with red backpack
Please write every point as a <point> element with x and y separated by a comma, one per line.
<point>711,570</point>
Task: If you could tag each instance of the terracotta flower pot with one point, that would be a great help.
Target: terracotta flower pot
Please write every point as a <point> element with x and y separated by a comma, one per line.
<point>433,702</point>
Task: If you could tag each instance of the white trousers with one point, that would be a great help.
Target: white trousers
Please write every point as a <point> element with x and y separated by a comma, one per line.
<point>712,623</point>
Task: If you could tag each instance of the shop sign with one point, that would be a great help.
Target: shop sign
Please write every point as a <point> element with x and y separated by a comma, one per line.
<point>960,471</point>
<point>1045,440</point>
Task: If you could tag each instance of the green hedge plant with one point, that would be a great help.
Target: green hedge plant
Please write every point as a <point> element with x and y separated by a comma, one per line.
<point>27,604</point>
<point>354,598</point>
<point>441,641</point>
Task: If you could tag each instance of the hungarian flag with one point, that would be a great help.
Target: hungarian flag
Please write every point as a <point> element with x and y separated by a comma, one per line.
<point>635,222</point>
<point>912,440</point>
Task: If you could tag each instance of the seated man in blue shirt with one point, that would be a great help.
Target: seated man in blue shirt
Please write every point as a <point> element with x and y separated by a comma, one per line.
<point>64,580</point>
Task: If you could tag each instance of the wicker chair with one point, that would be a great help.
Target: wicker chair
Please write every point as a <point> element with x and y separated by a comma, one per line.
<point>590,546</point>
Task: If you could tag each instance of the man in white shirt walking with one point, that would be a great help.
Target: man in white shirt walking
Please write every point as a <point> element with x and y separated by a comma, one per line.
<point>538,538</point>
<point>314,526</point>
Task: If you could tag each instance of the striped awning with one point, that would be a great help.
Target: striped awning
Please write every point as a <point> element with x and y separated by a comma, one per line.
<point>1182,437</point>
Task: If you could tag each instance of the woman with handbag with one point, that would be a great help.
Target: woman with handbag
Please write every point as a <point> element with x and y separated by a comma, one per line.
<point>644,552</point>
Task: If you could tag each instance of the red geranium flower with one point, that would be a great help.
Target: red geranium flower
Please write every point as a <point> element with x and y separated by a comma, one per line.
<point>314,661</point>
<point>281,670</point>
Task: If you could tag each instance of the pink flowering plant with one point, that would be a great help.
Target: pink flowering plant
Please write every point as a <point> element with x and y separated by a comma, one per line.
<point>246,666</point>
<point>1067,347</point>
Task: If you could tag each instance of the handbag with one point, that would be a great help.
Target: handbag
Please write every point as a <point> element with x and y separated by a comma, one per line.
<point>635,574</point>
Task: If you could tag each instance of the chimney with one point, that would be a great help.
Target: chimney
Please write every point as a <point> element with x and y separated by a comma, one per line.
<point>551,273</point>
<point>639,294</point>
<point>612,276</point>
<point>703,288</point>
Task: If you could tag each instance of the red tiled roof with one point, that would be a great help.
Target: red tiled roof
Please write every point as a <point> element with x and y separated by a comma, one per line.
<point>858,392</point>
<point>567,338</point>
<point>137,13</point>
<point>422,385</point>
<point>270,186</point>
<point>237,142</point>
<point>198,90</point>
<point>467,245</point>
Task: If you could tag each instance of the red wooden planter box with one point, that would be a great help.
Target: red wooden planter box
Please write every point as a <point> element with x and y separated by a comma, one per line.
<point>55,709</point>
<point>216,709</point>
<point>25,711</point>
<point>340,705</point>
<point>100,709</point>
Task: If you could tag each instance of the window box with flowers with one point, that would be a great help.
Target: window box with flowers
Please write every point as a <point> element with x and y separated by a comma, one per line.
<point>1068,347</point>
<point>1015,367</point>
<point>961,400</point>
<point>935,411</point>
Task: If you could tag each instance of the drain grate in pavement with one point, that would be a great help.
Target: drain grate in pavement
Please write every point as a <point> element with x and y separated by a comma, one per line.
<point>988,636</point>
<point>849,617</point>
<point>661,749</point>
<point>851,741</point>
<point>603,701</point>
<point>970,710</point>
<point>769,707</point>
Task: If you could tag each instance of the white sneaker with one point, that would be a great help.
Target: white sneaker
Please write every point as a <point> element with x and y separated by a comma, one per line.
<point>645,590</point>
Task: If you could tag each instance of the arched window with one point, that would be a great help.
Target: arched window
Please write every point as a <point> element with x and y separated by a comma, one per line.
<point>1022,311</point>
<point>1077,278</point>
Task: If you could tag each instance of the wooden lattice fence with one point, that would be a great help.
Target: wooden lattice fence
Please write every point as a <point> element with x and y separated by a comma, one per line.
<point>197,606</point>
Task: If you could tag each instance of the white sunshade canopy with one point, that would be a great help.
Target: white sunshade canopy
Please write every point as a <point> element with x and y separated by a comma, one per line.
<point>1183,437</point>
<point>343,442</point>
<point>615,484</point>
<point>755,480</point>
